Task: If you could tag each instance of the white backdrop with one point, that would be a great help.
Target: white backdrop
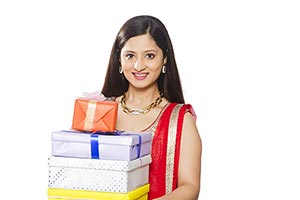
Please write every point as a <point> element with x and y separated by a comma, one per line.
<point>239,63</point>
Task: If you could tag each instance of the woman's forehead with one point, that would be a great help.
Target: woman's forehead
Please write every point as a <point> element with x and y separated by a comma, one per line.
<point>141,43</point>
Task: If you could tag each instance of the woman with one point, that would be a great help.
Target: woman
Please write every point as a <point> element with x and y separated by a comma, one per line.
<point>142,77</point>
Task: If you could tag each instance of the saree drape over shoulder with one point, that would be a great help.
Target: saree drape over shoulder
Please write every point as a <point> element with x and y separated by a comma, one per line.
<point>163,175</point>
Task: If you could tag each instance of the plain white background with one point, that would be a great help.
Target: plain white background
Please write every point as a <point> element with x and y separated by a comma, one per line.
<point>239,64</point>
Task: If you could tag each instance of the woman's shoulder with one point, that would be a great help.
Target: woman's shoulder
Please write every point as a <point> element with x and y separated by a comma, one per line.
<point>185,108</point>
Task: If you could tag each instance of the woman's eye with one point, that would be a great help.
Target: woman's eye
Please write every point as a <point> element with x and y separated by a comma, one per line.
<point>150,55</point>
<point>129,56</point>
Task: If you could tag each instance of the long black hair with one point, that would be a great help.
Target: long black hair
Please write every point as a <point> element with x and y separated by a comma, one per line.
<point>169,84</point>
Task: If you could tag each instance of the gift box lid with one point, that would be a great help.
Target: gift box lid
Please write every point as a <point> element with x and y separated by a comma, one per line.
<point>83,194</point>
<point>124,138</point>
<point>95,164</point>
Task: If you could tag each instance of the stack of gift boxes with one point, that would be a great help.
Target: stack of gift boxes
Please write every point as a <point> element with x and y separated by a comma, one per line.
<point>94,161</point>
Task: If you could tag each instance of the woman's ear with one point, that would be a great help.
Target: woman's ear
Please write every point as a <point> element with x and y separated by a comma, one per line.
<point>165,61</point>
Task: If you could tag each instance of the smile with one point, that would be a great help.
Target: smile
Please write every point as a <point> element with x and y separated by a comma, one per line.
<point>140,76</point>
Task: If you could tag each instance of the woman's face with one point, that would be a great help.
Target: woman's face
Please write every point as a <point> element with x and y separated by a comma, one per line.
<point>141,61</point>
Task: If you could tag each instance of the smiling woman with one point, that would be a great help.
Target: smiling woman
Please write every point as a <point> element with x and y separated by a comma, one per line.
<point>142,76</point>
<point>142,61</point>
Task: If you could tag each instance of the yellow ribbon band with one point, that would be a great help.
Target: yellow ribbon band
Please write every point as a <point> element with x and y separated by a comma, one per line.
<point>90,115</point>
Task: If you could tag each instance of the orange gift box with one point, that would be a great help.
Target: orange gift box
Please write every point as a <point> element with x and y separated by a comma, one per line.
<point>94,115</point>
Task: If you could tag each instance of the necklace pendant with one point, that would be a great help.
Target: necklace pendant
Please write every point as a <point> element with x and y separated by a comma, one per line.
<point>136,111</point>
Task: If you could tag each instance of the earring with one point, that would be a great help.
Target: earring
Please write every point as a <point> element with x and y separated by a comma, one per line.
<point>120,69</point>
<point>163,70</point>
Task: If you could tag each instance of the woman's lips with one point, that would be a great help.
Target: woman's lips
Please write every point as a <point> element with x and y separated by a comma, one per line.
<point>140,76</point>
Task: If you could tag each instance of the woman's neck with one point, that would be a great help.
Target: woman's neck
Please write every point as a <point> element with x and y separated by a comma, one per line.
<point>141,97</point>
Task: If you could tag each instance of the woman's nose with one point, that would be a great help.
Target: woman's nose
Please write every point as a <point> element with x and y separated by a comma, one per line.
<point>139,65</point>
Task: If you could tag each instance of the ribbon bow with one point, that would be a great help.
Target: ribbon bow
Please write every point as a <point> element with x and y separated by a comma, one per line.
<point>97,96</point>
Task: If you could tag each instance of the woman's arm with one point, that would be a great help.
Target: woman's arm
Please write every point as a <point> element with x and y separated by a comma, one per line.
<point>189,171</point>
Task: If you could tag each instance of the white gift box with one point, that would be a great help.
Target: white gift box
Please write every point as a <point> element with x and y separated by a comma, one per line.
<point>126,146</point>
<point>98,175</point>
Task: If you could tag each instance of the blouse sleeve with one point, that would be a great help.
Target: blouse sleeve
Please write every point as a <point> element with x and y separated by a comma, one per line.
<point>190,109</point>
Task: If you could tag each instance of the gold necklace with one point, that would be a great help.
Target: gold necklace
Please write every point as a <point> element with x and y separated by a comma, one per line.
<point>136,111</point>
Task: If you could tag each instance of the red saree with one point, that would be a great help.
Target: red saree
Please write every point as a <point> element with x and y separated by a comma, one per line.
<point>163,174</point>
